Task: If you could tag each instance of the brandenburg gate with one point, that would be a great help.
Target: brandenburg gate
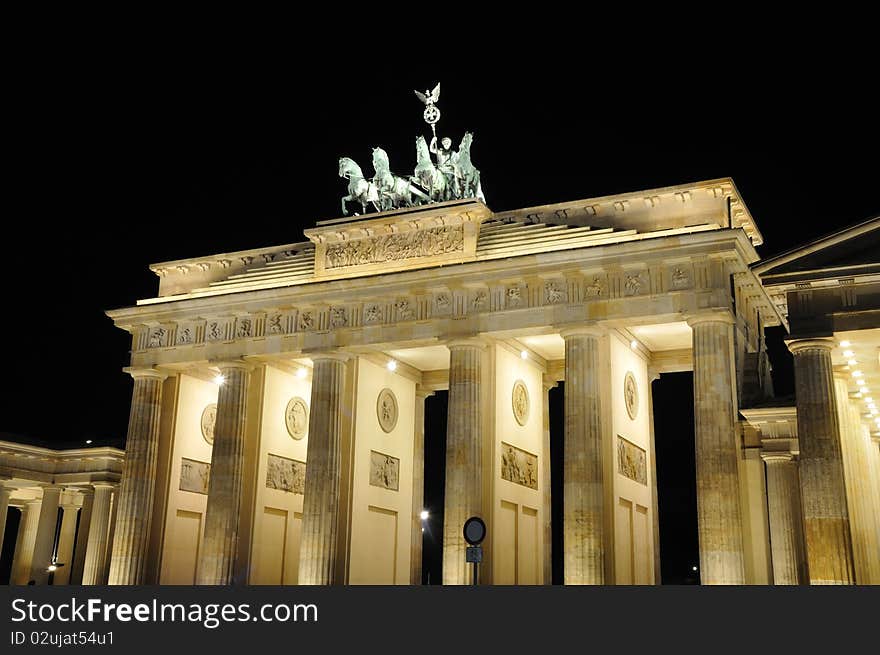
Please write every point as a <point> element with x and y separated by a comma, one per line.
<point>277,419</point>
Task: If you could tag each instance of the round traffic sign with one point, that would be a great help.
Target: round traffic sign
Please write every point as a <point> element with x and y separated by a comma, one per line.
<point>474,530</point>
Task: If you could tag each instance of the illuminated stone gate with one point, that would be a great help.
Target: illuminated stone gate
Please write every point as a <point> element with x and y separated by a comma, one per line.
<point>277,426</point>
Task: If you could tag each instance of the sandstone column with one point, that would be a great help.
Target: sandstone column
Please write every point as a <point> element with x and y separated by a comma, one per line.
<point>5,493</point>
<point>317,554</point>
<point>719,514</point>
<point>418,501</point>
<point>655,504</point>
<point>464,460</point>
<point>853,477</point>
<point>24,545</point>
<point>44,544</point>
<point>546,501</point>
<point>111,531</point>
<point>583,483</point>
<point>82,536</point>
<point>864,524</point>
<point>129,554</point>
<point>220,543</point>
<point>823,490</point>
<point>786,521</point>
<point>66,538</point>
<point>96,548</point>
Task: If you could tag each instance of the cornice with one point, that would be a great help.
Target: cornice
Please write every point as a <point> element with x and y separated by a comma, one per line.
<point>695,245</point>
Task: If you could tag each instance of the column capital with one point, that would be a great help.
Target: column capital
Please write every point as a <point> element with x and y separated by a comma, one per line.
<point>423,393</point>
<point>549,382</point>
<point>334,356</point>
<point>582,331</point>
<point>144,372</point>
<point>821,343</point>
<point>716,316</point>
<point>468,342</point>
<point>231,364</point>
<point>778,457</point>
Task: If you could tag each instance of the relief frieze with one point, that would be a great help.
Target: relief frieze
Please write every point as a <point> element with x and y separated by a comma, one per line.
<point>395,247</point>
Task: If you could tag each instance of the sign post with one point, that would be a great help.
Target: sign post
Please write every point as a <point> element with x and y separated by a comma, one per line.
<point>474,533</point>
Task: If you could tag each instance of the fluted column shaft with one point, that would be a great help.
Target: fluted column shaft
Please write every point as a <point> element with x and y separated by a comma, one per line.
<point>823,490</point>
<point>864,525</point>
<point>137,487</point>
<point>220,542</point>
<point>5,493</point>
<point>66,538</point>
<point>583,478</point>
<point>719,514</point>
<point>111,531</point>
<point>464,456</point>
<point>418,485</point>
<point>317,558</point>
<point>82,536</point>
<point>786,520</point>
<point>853,477</point>
<point>24,545</point>
<point>44,544</point>
<point>96,548</point>
<point>546,499</point>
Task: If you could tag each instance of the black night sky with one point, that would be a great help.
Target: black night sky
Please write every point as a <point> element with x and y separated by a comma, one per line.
<point>123,159</point>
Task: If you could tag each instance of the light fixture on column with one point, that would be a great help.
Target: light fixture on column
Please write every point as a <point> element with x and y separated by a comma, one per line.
<point>392,365</point>
<point>845,344</point>
<point>424,515</point>
<point>524,354</point>
<point>219,380</point>
<point>634,344</point>
<point>857,374</point>
<point>301,373</point>
<point>852,362</point>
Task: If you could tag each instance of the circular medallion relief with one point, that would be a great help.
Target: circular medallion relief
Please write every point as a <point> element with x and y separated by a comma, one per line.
<point>209,418</point>
<point>520,401</point>
<point>296,417</point>
<point>386,409</point>
<point>631,395</point>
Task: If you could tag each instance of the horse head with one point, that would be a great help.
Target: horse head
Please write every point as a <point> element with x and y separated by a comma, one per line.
<point>348,167</point>
<point>466,142</point>
<point>422,152</point>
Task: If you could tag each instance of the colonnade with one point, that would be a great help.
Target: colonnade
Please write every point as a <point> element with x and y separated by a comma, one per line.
<point>810,492</point>
<point>71,549</point>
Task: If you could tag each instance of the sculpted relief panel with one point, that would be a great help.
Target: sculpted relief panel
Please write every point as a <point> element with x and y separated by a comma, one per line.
<point>519,466</point>
<point>386,410</point>
<point>632,461</point>
<point>520,402</point>
<point>296,417</point>
<point>394,247</point>
<point>194,475</point>
<point>209,420</point>
<point>286,474</point>
<point>384,471</point>
<point>631,395</point>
